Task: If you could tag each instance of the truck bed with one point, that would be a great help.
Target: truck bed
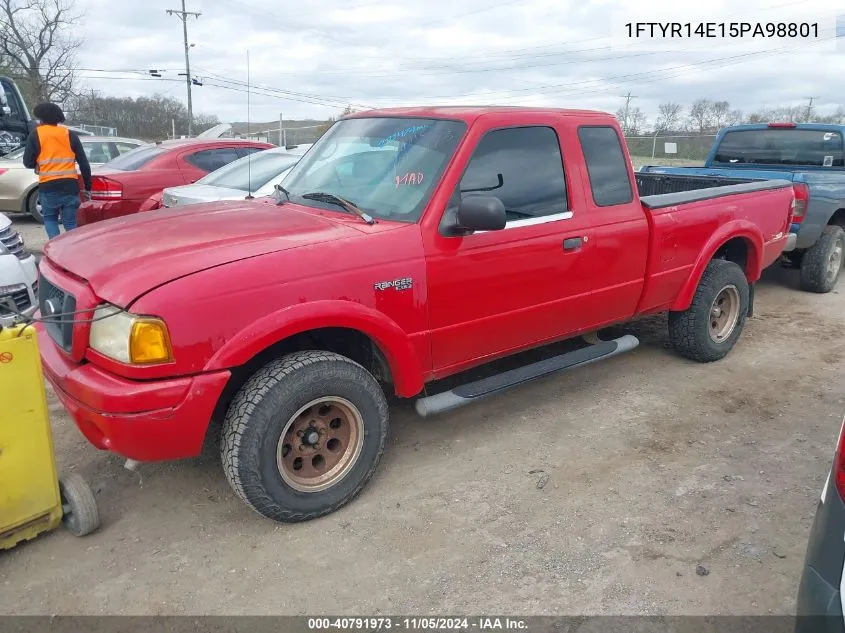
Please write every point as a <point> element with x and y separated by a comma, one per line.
<point>652,184</point>
<point>665,190</point>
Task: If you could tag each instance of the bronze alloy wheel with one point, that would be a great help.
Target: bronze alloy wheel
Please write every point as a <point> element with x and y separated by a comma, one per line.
<point>835,261</point>
<point>320,444</point>
<point>724,313</point>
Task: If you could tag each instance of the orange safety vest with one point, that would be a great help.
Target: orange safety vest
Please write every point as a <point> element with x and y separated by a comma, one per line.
<point>56,160</point>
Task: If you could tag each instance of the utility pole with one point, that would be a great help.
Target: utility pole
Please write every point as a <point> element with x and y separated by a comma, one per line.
<point>183,15</point>
<point>627,98</point>
<point>809,107</point>
<point>94,105</point>
<point>281,130</point>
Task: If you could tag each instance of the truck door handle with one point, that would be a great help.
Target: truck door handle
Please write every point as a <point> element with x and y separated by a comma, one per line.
<point>572,244</point>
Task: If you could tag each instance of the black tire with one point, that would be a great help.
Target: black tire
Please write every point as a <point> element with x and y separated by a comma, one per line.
<point>262,410</point>
<point>32,206</point>
<point>690,330</point>
<point>82,516</point>
<point>818,271</point>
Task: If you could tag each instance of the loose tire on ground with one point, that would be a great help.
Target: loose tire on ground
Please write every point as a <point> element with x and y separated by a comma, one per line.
<point>32,206</point>
<point>81,515</point>
<point>703,332</point>
<point>269,426</point>
<point>823,261</point>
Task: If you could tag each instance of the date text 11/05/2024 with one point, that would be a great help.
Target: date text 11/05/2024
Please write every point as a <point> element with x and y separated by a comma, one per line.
<point>418,624</point>
<point>750,30</point>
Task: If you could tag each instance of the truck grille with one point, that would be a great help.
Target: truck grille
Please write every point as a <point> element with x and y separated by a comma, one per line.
<point>53,300</point>
<point>13,242</point>
<point>16,297</point>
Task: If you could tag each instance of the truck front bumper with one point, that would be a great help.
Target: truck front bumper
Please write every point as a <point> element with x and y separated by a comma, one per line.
<point>145,421</point>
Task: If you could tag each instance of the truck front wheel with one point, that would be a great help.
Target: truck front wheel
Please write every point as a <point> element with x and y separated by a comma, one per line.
<point>823,261</point>
<point>304,435</point>
<point>711,326</point>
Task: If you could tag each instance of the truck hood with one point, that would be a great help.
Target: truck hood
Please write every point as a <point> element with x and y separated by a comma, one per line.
<point>122,259</point>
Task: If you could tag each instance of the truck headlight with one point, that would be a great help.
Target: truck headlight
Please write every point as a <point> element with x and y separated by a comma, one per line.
<point>125,337</point>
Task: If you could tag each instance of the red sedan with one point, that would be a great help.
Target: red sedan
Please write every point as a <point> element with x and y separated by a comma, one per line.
<point>132,182</point>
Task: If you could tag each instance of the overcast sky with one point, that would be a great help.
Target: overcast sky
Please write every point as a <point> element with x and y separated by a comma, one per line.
<point>327,53</point>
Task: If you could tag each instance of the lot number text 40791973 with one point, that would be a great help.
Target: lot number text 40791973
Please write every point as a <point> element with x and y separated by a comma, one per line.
<point>417,624</point>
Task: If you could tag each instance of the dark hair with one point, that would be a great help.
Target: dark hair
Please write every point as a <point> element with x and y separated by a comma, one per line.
<point>49,113</point>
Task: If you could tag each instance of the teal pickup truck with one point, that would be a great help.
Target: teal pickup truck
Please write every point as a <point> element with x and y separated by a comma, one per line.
<point>812,156</point>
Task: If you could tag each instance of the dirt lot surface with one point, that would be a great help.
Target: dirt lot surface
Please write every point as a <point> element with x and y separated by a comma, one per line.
<point>651,466</point>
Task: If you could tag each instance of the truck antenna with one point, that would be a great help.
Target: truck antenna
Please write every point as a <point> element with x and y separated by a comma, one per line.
<point>249,195</point>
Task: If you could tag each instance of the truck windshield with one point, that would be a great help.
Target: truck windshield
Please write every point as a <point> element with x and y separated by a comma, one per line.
<point>250,172</point>
<point>781,146</point>
<point>388,167</point>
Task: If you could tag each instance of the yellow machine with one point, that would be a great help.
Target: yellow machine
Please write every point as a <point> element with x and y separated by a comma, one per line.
<point>32,498</point>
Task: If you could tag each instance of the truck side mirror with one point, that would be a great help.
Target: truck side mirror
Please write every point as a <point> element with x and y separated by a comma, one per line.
<point>481,213</point>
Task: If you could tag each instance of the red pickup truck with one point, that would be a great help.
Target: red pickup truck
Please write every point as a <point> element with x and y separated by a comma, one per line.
<point>408,245</point>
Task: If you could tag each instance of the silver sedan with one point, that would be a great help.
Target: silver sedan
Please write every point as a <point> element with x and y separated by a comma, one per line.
<point>256,174</point>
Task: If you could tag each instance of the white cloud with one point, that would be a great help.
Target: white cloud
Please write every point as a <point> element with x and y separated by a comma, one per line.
<point>327,53</point>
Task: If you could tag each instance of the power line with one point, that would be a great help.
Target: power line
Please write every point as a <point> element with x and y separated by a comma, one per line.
<point>647,75</point>
<point>287,23</point>
<point>483,65</point>
<point>183,15</point>
<point>567,89</point>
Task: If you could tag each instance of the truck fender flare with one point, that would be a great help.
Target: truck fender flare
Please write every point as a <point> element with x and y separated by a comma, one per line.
<point>391,339</point>
<point>744,229</point>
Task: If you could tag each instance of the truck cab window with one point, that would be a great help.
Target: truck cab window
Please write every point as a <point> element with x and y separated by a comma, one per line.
<point>606,166</point>
<point>523,167</point>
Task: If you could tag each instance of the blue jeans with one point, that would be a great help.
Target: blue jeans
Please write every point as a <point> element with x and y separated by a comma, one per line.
<point>53,203</point>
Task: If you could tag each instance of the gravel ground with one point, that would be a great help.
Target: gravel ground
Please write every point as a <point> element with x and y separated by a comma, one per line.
<point>600,491</point>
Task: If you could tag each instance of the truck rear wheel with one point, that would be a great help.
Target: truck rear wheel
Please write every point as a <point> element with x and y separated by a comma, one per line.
<point>304,435</point>
<point>823,261</point>
<point>711,326</point>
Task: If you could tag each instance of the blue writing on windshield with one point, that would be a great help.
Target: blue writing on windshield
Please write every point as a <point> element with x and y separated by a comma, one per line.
<point>412,131</point>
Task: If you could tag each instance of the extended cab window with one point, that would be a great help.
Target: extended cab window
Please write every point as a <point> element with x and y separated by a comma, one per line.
<point>606,165</point>
<point>523,167</point>
<point>781,146</point>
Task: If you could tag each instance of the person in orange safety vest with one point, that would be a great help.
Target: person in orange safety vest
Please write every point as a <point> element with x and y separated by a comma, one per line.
<point>54,151</point>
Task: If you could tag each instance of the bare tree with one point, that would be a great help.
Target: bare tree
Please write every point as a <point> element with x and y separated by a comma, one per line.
<point>701,116</point>
<point>148,118</point>
<point>757,117</point>
<point>668,117</point>
<point>38,46</point>
<point>634,123</point>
